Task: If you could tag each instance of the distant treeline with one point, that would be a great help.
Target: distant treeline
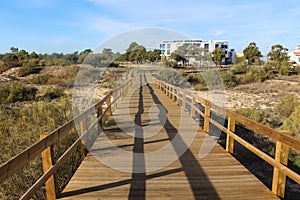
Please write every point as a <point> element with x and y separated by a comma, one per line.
<point>135,53</point>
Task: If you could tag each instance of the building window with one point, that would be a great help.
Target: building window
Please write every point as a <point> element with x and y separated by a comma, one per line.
<point>206,46</point>
<point>168,46</point>
<point>224,46</point>
<point>168,52</point>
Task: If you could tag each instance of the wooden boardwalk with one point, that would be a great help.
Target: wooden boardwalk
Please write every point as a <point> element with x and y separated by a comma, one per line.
<point>107,172</point>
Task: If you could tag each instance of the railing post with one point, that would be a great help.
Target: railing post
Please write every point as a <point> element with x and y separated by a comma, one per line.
<point>207,116</point>
<point>82,130</point>
<point>193,105</point>
<point>167,91</point>
<point>99,113</point>
<point>108,103</point>
<point>184,99</point>
<point>178,95</point>
<point>229,139</point>
<point>279,178</point>
<point>173,93</point>
<point>47,164</point>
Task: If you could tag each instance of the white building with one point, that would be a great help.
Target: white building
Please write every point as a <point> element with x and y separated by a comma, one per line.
<point>295,55</point>
<point>167,47</point>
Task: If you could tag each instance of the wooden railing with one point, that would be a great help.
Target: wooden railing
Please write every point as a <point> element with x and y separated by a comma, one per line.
<point>21,160</point>
<point>283,139</point>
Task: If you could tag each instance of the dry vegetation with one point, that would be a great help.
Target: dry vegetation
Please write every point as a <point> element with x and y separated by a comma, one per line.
<point>37,103</point>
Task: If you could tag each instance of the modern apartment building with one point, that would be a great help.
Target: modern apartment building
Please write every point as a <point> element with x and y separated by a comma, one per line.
<point>167,47</point>
<point>295,55</point>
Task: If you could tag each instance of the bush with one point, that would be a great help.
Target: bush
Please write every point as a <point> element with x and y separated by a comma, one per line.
<point>13,92</point>
<point>171,76</point>
<point>65,77</point>
<point>257,74</point>
<point>240,68</point>
<point>171,63</point>
<point>259,116</point>
<point>20,128</point>
<point>229,79</point>
<point>286,105</point>
<point>40,79</point>
<point>29,68</point>
<point>53,92</point>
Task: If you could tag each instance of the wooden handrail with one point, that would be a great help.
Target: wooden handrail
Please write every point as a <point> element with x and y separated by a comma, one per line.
<point>19,161</point>
<point>280,168</point>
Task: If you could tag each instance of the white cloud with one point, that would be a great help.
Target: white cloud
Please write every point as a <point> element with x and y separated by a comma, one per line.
<point>106,25</point>
<point>220,32</point>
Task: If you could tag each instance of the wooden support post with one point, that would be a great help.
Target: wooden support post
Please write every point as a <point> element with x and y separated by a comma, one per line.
<point>184,99</point>
<point>193,105</point>
<point>229,139</point>
<point>47,164</point>
<point>279,178</point>
<point>207,117</point>
<point>82,130</point>
<point>109,113</point>
<point>173,93</point>
<point>178,97</point>
<point>99,113</point>
<point>167,91</point>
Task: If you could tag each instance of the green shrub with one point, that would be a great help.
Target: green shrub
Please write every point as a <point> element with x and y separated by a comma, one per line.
<point>13,92</point>
<point>53,92</point>
<point>229,80</point>
<point>21,128</point>
<point>259,116</point>
<point>171,76</point>
<point>40,79</point>
<point>171,63</point>
<point>239,68</point>
<point>65,77</point>
<point>257,74</point>
<point>29,68</point>
<point>286,105</point>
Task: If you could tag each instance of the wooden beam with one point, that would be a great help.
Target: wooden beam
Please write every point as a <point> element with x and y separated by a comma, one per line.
<point>47,164</point>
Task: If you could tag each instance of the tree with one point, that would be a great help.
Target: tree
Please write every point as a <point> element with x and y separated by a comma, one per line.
<point>200,55</point>
<point>10,60</point>
<point>136,52</point>
<point>83,54</point>
<point>218,55</point>
<point>14,50</point>
<point>23,55</point>
<point>154,55</point>
<point>33,55</point>
<point>178,58</point>
<point>278,53</point>
<point>108,54</point>
<point>252,53</point>
<point>181,54</point>
<point>279,59</point>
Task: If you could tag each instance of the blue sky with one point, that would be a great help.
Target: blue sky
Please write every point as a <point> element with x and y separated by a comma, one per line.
<point>47,26</point>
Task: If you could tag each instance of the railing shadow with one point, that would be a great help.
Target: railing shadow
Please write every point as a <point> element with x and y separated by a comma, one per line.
<point>199,182</point>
